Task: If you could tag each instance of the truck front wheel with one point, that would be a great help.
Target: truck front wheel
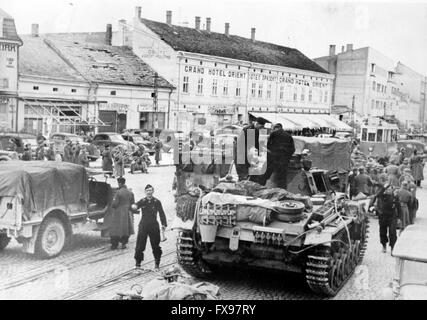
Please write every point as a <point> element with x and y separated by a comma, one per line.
<point>4,241</point>
<point>50,238</point>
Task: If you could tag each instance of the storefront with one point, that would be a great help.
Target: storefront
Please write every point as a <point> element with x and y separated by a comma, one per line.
<point>222,115</point>
<point>150,119</point>
<point>7,112</point>
<point>114,116</point>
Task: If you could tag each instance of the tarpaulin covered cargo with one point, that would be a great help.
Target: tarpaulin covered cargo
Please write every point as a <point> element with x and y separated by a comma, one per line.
<point>326,153</point>
<point>43,184</point>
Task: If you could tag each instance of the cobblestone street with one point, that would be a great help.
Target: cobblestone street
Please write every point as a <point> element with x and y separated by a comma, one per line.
<point>88,261</point>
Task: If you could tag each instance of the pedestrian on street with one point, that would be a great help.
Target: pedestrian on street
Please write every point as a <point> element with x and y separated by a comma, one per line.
<point>392,175</point>
<point>119,165</point>
<point>107,160</point>
<point>382,176</point>
<point>417,167</point>
<point>158,148</point>
<point>395,158</point>
<point>413,205</point>
<point>403,166</point>
<point>386,204</point>
<point>40,152</point>
<point>83,159</point>
<point>68,156</point>
<point>27,155</point>
<point>121,224</point>
<point>405,198</point>
<point>50,153</point>
<point>280,148</point>
<point>149,227</point>
<point>363,182</point>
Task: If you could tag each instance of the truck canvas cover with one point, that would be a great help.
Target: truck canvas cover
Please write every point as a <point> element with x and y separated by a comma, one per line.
<point>326,153</point>
<point>42,185</point>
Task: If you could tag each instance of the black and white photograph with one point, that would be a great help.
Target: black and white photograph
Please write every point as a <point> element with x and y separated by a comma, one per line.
<point>239,150</point>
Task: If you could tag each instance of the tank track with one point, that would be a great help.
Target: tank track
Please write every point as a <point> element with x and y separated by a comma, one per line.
<point>187,256</point>
<point>328,269</point>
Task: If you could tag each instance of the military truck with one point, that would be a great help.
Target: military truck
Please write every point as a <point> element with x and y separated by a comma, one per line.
<point>309,229</point>
<point>42,203</point>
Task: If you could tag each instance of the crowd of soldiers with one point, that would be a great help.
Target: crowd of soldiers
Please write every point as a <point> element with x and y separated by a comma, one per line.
<point>394,191</point>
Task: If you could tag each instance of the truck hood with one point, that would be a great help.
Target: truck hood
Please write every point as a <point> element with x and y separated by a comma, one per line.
<point>413,292</point>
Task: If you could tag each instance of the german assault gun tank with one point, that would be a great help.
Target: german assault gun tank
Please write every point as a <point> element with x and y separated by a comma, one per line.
<point>310,228</point>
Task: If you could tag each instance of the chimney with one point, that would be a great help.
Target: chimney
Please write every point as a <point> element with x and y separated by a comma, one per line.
<point>227,29</point>
<point>108,34</point>
<point>35,30</point>
<point>349,47</point>
<point>342,48</point>
<point>138,12</point>
<point>169,17</point>
<point>197,23</point>
<point>208,24</point>
<point>332,50</point>
<point>253,34</point>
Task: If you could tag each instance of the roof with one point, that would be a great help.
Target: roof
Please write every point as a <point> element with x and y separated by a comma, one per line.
<point>8,27</point>
<point>412,244</point>
<point>36,58</point>
<point>20,135</point>
<point>106,64</point>
<point>233,47</point>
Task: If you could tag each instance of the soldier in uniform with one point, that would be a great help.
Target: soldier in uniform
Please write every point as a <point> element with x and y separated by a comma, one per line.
<point>405,199</point>
<point>121,225</point>
<point>149,227</point>
<point>386,206</point>
<point>68,157</point>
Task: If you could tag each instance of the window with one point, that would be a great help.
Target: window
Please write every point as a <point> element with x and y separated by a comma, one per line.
<point>302,94</point>
<point>326,97</point>
<point>238,89</point>
<point>215,87</point>
<point>225,88</point>
<point>295,93</point>
<point>253,90</point>
<point>372,104</point>
<point>377,104</point>
<point>379,135</point>
<point>371,136</point>
<point>310,95</point>
<point>282,92</point>
<point>373,85</point>
<point>364,134</point>
<point>260,89</point>
<point>73,90</point>
<point>35,88</point>
<point>200,86</point>
<point>372,67</point>
<point>113,93</point>
<point>5,83</point>
<point>378,87</point>
<point>185,85</point>
<point>55,89</point>
<point>269,91</point>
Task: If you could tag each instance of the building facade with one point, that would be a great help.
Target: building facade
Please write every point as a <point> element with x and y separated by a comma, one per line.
<point>375,84</point>
<point>71,82</point>
<point>221,78</point>
<point>9,55</point>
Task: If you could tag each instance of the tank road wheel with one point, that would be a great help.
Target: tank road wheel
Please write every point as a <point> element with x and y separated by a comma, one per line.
<point>188,256</point>
<point>326,272</point>
<point>4,241</point>
<point>50,238</point>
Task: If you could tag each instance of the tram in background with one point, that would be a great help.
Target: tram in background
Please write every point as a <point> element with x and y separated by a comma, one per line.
<point>378,138</point>
<point>422,137</point>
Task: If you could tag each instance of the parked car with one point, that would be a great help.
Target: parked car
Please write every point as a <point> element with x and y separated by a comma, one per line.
<point>410,280</point>
<point>114,139</point>
<point>42,206</point>
<point>59,139</point>
<point>140,141</point>
<point>15,142</point>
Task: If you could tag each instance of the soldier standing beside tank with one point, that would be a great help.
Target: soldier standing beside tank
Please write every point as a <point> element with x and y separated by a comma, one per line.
<point>386,206</point>
<point>280,148</point>
<point>149,227</point>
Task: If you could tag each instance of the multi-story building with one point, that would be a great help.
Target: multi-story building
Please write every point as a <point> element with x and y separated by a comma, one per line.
<point>9,48</point>
<point>222,78</point>
<point>72,80</point>
<point>374,83</point>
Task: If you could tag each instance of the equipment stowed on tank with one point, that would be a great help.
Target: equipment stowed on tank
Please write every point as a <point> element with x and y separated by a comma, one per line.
<point>314,231</point>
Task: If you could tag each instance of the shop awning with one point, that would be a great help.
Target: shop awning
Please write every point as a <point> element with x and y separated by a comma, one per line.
<point>297,121</point>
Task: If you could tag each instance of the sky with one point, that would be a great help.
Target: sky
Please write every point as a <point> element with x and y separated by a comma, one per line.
<point>396,28</point>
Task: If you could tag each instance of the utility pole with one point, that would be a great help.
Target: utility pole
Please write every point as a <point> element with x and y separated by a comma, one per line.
<point>155,102</point>
<point>352,116</point>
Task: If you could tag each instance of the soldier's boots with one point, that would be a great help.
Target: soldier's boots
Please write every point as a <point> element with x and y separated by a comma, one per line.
<point>157,265</point>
